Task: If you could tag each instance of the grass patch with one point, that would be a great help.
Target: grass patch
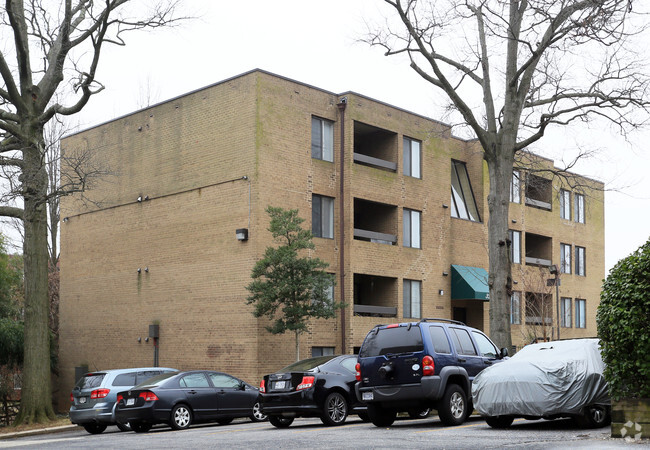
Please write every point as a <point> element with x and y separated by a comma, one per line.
<point>58,422</point>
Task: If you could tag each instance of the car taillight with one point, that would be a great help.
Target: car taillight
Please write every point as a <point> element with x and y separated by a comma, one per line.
<point>357,367</point>
<point>148,396</point>
<point>262,387</point>
<point>99,393</point>
<point>306,383</point>
<point>119,398</point>
<point>393,325</point>
<point>71,398</point>
<point>427,366</point>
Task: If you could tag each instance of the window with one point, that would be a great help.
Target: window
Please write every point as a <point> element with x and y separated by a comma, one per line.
<point>194,380</point>
<point>439,339</point>
<point>565,312</point>
<point>412,158</point>
<point>322,216</point>
<point>581,310</point>
<point>392,340</point>
<point>580,261</point>
<point>321,351</point>
<point>515,308</point>
<point>322,139</point>
<point>463,205</point>
<point>463,342</point>
<point>411,225</point>
<point>565,258</point>
<point>579,209</point>
<point>221,380</point>
<point>485,347</point>
<point>565,204</point>
<point>515,187</point>
<point>515,246</point>
<point>125,379</point>
<point>412,298</point>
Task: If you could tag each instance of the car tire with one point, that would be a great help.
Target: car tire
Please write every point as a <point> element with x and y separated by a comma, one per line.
<point>335,409</point>
<point>381,417</point>
<point>94,428</point>
<point>422,413</point>
<point>257,415</point>
<point>499,421</point>
<point>595,416</point>
<point>140,427</point>
<point>181,417</point>
<point>280,421</point>
<point>124,426</point>
<point>453,406</point>
<point>225,420</point>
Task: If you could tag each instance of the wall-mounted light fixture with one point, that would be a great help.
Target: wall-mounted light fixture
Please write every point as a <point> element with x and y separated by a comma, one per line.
<point>444,205</point>
<point>516,282</point>
<point>441,292</point>
<point>514,220</point>
<point>65,219</point>
<point>146,339</point>
<point>146,269</point>
<point>139,339</point>
<point>139,198</point>
<point>139,270</point>
<point>242,234</point>
<point>445,274</point>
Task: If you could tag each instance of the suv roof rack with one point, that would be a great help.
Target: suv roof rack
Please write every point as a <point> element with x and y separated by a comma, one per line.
<point>436,319</point>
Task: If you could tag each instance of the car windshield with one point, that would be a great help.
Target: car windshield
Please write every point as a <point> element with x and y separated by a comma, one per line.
<point>158,379</point>
<point>90,380</point>
<point>307,364</point>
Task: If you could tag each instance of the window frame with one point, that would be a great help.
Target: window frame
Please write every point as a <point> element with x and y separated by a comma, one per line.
<point>408,303</point>
<point>565,258</point>
<point>324,350</point>
<point>407,237</point>
<point>581,313</point>
<point>515,298</point>
<point>565,204</point>
<point>566,312</point>
<point>411,155</point>
<point>323,150</point>
<point>317,223</point>
<point>461,193</point>
<point>515,187</point>
<point>515,244</point>
<point>579,208</point>
<point>581,261</point>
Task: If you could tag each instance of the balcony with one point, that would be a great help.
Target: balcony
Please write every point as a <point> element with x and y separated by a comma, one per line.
<point>375,147</point>
<point>375,296</point>
<point>539,250</point>
<point>539,192</point>
<point>375,222</point>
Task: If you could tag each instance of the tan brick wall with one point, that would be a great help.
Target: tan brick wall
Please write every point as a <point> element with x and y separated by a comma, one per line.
<point>188,156</point>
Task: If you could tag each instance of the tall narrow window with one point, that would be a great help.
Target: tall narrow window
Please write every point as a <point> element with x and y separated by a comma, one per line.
<point>411,225</point>
<point>515,308</point>
<point>515,187</point>
<point>322,139</point>
<point>412,299</point>
<point>565,258</point>
<point>565,312</point>
<point>322,216</point>
<point>463,205</point>
<point>515,246</point>
<point>565,204</point>
<point>581,311</point>
<point>579,209</point>
<point>580,261</point>
<point>412,158</point>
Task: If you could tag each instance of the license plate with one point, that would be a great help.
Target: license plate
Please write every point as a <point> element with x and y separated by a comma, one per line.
<point>366,396</point>
<point>279,384</point>
<point>130,401</point>
<point>82,399</point>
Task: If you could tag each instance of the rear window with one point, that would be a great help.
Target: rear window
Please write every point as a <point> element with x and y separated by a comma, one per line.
<point>386,341</point>
<point>90,380</point>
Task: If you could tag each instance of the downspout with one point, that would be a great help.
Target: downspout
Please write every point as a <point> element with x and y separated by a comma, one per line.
<point>341,106</point>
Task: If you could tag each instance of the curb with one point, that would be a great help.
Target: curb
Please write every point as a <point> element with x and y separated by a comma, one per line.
<point>37,431</point>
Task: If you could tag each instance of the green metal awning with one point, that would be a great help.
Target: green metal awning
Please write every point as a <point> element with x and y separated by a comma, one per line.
<point>469,283</point>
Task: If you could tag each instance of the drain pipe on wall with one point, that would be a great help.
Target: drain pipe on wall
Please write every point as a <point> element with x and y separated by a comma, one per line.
<point>343,101</point>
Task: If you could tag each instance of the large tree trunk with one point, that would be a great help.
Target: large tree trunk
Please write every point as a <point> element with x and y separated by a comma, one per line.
<point>36,396</point>
<point>500,165</point>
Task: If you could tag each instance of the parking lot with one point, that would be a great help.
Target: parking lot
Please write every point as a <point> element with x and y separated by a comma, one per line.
<point>310,433</point>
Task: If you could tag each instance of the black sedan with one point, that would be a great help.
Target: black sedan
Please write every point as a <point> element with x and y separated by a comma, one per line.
<point>316,387</point>
<point>180,399</point>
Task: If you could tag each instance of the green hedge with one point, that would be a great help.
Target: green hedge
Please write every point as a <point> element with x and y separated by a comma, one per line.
<point>624,325</point>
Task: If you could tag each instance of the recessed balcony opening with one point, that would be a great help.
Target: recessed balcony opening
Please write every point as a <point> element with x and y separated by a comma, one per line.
<point>375,147</point>
<point>539,192</point>
<point>539,250</point>
<point>375,222</point>
<point>375,296</point>
<point>539,310</point>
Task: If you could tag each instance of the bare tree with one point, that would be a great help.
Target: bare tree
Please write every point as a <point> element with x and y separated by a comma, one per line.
<point>52,52</point>
<point>511,69</point>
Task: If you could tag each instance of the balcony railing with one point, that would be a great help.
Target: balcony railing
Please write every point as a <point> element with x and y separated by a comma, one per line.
<point>532,261</point>
<point>374,236</point>
<point>375,162</point>
<point>376,311</point>
<point>538,203</point>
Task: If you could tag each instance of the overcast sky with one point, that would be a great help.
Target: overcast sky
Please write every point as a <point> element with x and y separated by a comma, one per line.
<point>317,43</point>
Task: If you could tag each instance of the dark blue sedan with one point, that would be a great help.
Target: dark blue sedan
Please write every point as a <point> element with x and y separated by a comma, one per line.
<point>180,399</point>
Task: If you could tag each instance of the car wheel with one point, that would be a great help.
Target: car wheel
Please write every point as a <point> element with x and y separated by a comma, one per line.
<point>499,421</point>
<point>181,417</point>
<point>124,426</point>
<point>595,416</point>
<point>335,409</point>
<point>280,421</point>
<point>257,415</point>
<point>225,420</point>
<point>419,413</point>
<point>140,427</point>
<point>381,417</point>
<point>94,428</point>
<point>453,406</point>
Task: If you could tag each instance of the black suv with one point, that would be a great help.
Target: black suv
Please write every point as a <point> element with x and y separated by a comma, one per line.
<point>418,365</point>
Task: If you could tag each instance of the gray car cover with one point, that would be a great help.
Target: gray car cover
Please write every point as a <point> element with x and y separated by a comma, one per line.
<point>542,380</point>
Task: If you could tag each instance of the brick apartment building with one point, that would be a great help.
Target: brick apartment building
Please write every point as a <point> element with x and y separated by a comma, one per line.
<point>396,203</point>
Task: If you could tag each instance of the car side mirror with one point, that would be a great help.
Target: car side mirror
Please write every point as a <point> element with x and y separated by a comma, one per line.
<point>504,352</point>
<point>242,386</point>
